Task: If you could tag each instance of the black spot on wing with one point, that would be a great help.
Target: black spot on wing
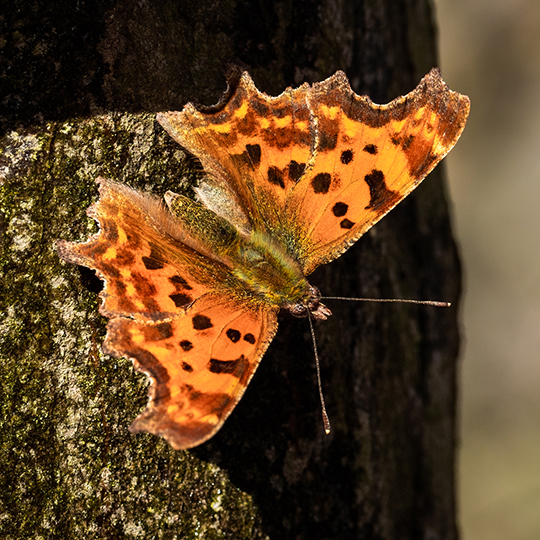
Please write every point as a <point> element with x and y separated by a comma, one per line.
<point>296,170</point>
<point>233,335</point>
<point>201,322</point>
<point>254,153</point>
<point>380,195</point>
<point>370,149</point>
<point>346,224</point>
<point>346,156</point>
<point>154,261</point>
<point>180,299</point>
<point>231,367</point>
<point>340,209</point>
<point>152,264</point>
<point>321,182</point>
<point>187,367</point>
<point>250,338</point>
<point>186,345</point>
<point>275,176</point>
<point>375,180</point>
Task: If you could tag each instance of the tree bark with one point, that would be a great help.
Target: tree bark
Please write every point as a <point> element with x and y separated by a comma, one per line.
<point>80,89</point>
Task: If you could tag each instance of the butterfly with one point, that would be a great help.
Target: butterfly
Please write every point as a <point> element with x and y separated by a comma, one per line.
<point>193,286</point>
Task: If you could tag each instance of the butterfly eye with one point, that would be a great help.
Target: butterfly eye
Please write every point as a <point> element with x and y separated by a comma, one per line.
<point>314,293</point>
<point>298,310</point>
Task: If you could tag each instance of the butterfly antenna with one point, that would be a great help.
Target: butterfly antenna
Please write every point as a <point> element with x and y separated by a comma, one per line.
<point>326,420</point>
<point>424,302</point>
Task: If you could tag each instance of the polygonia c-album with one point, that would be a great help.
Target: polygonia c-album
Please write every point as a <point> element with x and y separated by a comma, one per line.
<point>193,288</point>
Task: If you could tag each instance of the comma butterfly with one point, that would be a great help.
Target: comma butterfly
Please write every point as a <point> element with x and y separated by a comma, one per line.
<point>193,288</point>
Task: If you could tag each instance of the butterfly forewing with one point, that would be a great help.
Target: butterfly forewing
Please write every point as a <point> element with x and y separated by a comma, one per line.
<point>370,158</point>
<point>259,146</point>
<point>317,166</point>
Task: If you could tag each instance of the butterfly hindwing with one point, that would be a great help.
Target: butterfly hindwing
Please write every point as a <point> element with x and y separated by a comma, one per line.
<point>200,364</point>
<point>174,313</point>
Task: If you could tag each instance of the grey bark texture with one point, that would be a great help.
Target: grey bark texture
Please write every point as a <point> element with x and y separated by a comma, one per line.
<point>80,85</point>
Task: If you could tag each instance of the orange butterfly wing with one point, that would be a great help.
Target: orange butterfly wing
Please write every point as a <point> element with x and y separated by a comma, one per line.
<point>256,146</point>
<point>200,364</point>
<point>317,166</point>
<point>370,158</point>
<point>174,312</point>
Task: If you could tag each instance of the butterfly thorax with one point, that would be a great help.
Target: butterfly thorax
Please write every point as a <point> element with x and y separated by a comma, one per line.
<point>267,269</point>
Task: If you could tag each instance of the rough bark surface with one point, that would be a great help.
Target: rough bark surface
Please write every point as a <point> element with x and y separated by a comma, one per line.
<point>79,88</point>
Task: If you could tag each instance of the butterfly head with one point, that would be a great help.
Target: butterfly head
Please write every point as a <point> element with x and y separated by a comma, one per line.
<point>310,305</point>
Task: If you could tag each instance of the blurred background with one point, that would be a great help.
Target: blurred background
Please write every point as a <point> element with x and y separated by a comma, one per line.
<point>490,50</point>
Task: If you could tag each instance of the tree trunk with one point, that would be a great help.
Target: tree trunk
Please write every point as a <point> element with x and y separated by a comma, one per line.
<point>80,92</point>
